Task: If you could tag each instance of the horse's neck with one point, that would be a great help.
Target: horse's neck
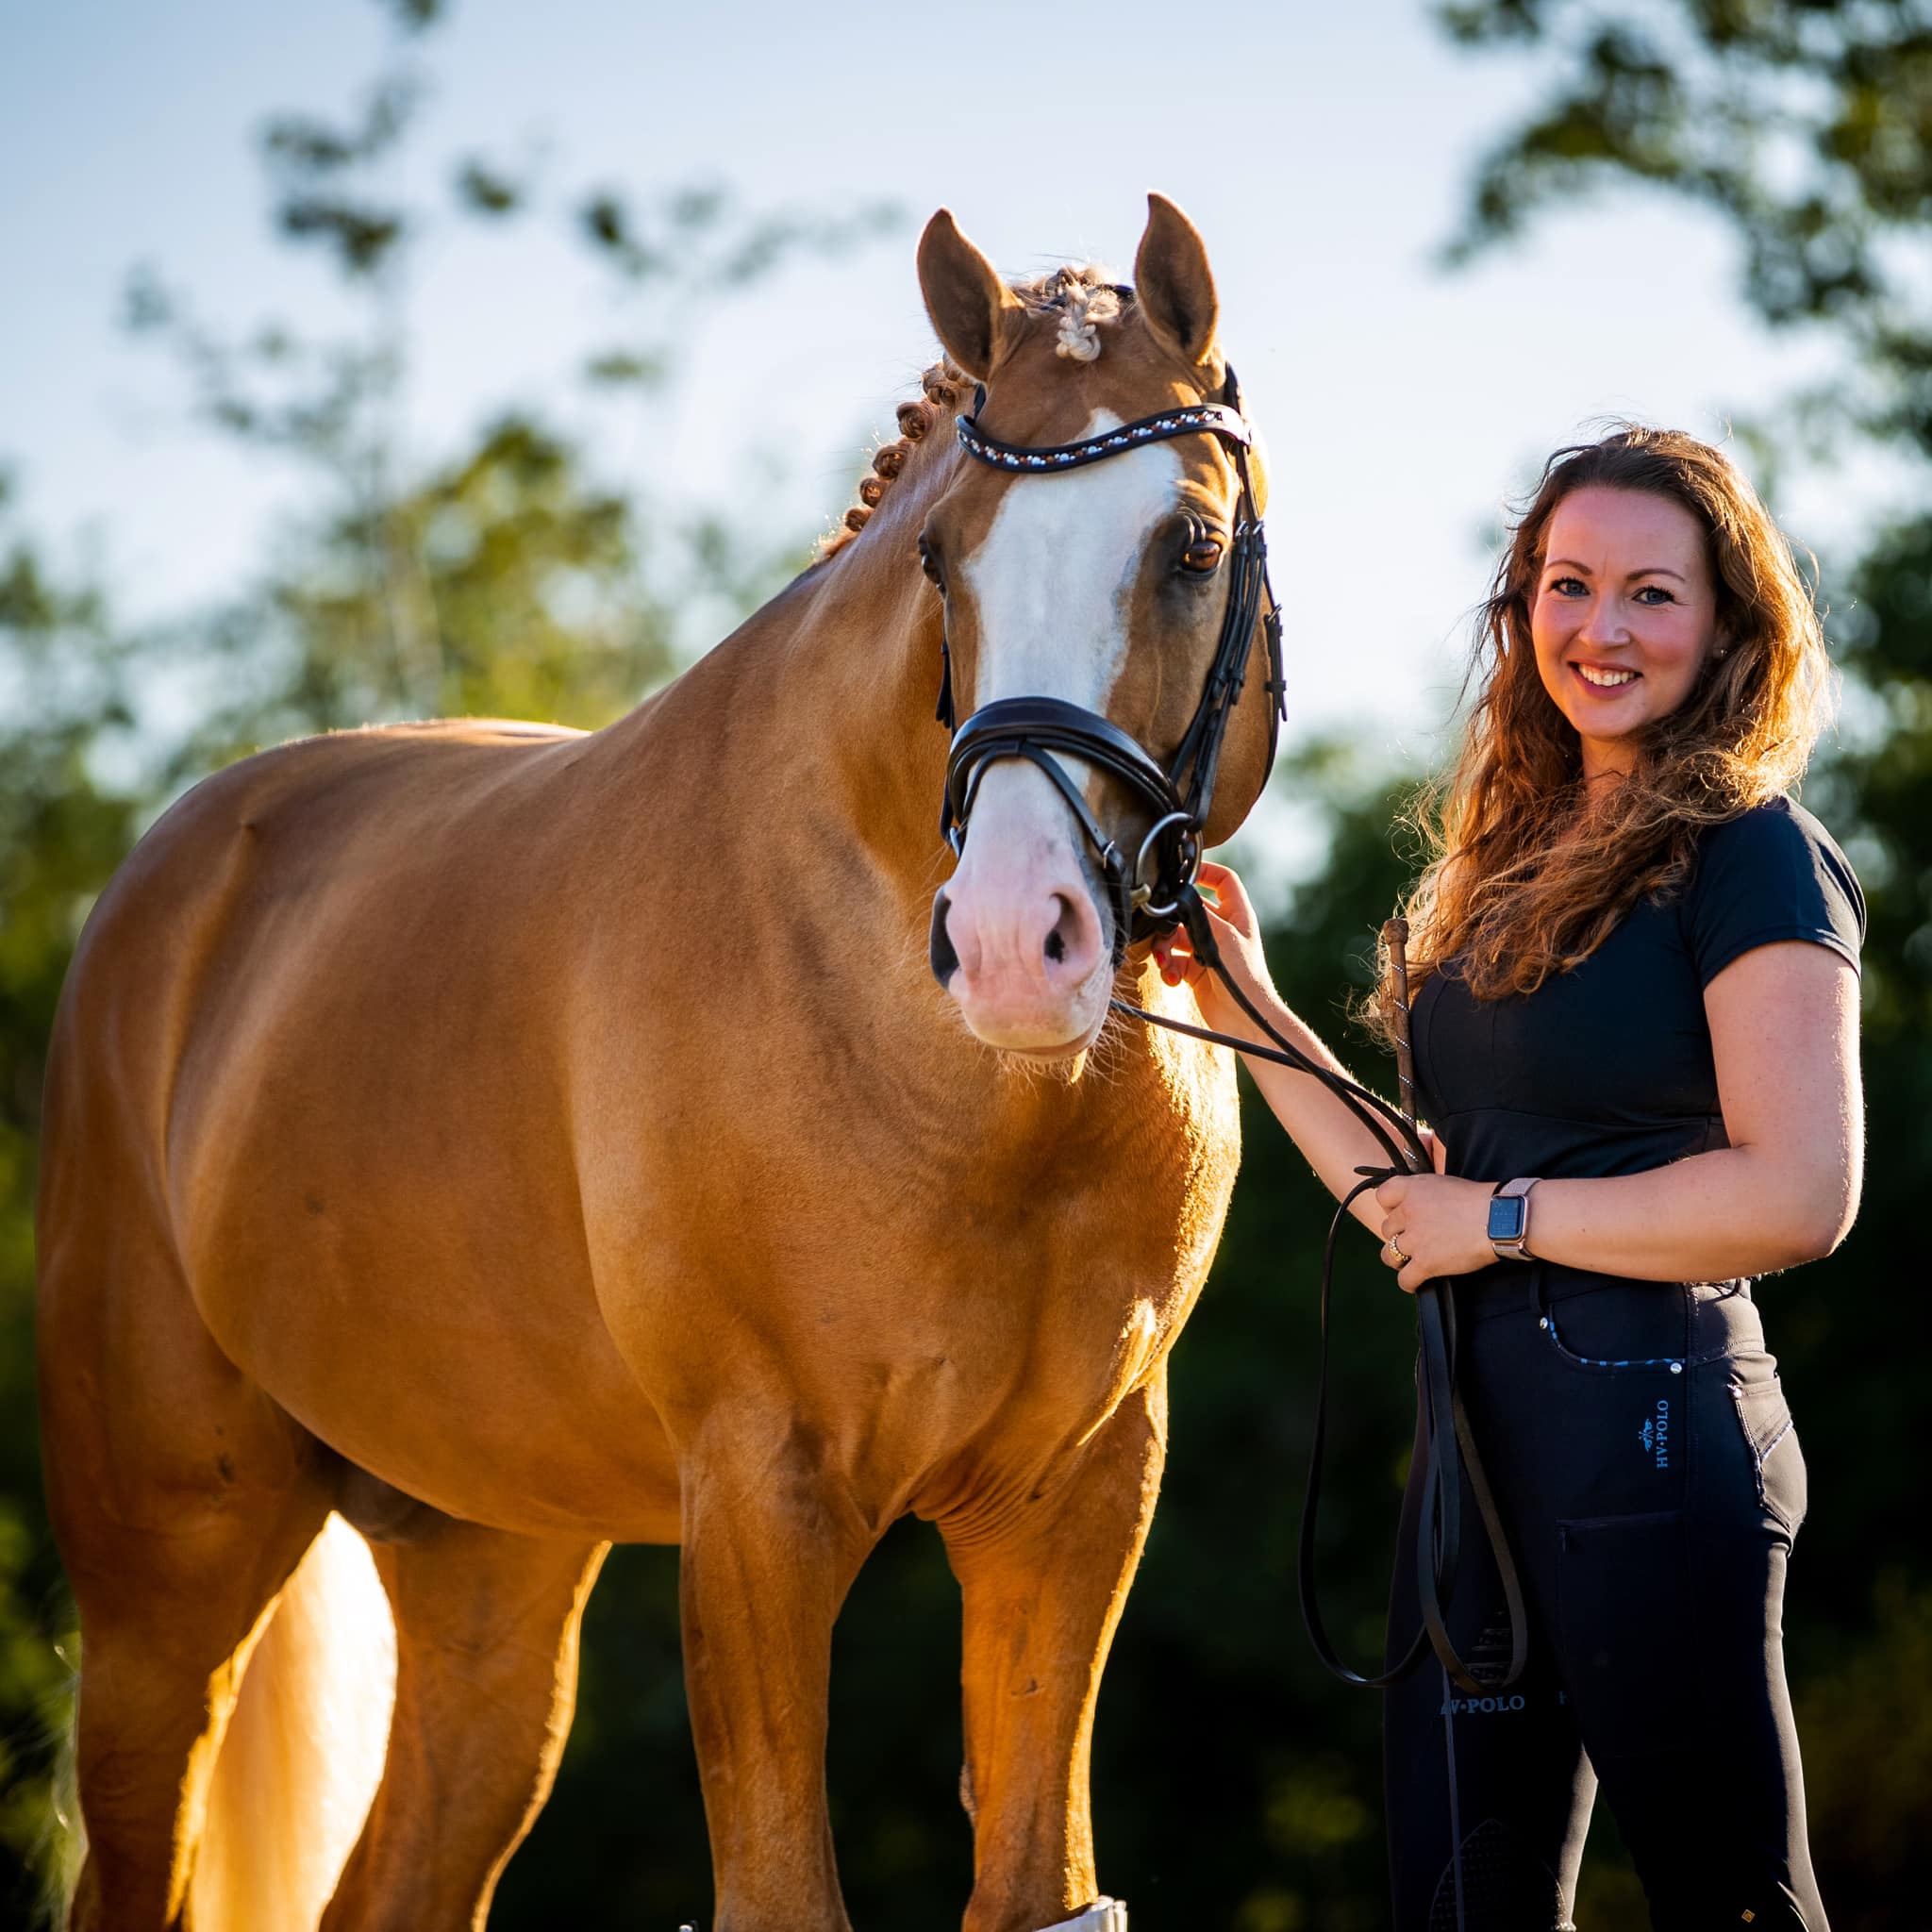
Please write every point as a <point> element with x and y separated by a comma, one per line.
<point>864,667</point>
<point>807,748</point>
<point>816,716</point>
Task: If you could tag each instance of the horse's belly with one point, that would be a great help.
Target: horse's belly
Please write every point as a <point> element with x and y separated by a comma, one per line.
<point>506,1408</point>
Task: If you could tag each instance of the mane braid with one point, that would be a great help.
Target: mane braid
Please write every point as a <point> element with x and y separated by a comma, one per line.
<point>1082,296</point>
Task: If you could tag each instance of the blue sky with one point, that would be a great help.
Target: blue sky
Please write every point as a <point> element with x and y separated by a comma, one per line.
<point>1322,151</point>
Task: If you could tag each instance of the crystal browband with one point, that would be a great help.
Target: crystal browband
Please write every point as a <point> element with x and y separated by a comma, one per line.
<point>1215,419</point>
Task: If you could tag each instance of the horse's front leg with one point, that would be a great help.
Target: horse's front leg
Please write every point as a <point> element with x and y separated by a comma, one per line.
<point>772,1543</point>
<point>1042,1596</point>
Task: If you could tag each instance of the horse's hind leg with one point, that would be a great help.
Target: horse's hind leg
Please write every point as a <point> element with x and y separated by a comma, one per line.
<point>486,1681</point>
<point>182,1498</point>
<point>1042,1596</point>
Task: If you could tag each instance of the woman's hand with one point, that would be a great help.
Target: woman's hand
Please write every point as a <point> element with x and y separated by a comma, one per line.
<point>1238,933</point>
<point>1433,1225</point>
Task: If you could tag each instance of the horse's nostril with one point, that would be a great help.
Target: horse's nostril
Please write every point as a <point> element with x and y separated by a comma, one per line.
<point>1065,928</point>
<point>946,962</point>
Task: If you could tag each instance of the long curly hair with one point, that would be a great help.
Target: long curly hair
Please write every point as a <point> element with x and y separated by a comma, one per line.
<point>1528,873</point>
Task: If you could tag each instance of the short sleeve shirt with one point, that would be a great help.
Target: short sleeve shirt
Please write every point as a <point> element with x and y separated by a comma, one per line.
<point>1608,1069</point>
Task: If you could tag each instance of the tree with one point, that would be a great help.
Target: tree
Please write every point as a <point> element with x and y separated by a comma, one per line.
<point>63,828</point>
<point>1807,127</point>
<point>501,581</point>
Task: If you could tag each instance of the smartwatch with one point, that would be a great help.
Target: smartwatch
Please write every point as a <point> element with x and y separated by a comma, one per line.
<point>1510,1221</point>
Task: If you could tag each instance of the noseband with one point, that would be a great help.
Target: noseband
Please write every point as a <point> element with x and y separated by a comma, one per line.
<point>1148,894</point>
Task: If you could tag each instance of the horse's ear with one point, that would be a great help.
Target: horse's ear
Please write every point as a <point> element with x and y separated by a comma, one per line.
<point>978,318</point>
<point>1175,284</point>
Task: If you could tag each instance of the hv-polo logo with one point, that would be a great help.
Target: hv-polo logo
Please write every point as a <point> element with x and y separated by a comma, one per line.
<point>1656,1434</point>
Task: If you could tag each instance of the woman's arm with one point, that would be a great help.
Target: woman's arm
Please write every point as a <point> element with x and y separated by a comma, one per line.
<point>1784,1034</point>
<point>1332,1141</point>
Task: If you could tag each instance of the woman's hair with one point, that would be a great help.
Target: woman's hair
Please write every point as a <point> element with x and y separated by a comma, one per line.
<point>1527,875</point>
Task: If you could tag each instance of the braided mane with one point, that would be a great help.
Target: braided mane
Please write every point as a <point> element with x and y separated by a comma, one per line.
<point>1084,297</point>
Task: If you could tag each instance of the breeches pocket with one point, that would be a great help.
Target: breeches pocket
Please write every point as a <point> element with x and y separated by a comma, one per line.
<point>1777,1463</point>
<point>1627,1632</point>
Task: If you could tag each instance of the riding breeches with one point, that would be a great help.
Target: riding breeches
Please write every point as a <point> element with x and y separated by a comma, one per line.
<point>1644,1464</point>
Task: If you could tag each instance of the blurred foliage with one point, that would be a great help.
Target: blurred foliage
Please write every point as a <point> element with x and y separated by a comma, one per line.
<point>1806,124</point>
<point>505,585</point>
<point>1236,1786</point>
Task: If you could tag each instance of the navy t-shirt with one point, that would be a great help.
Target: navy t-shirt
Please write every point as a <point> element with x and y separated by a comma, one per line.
<point>1607,1069</point>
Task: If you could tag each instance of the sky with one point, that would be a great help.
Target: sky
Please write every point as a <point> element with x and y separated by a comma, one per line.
<point>1322,151</point>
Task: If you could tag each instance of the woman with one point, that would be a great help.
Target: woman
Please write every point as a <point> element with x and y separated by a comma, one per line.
<point>1635,1010</point>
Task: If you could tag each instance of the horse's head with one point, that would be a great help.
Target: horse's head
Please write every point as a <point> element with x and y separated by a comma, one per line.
<point>1110,582</point>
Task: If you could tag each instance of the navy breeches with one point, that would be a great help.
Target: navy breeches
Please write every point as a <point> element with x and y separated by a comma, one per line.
<point>1650,1482</point>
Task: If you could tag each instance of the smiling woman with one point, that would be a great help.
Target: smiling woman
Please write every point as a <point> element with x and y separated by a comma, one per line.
<point>1647,552</point>
<point>1635,1030</point>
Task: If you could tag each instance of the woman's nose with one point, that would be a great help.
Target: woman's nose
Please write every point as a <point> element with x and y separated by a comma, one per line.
<point>1602,623</point>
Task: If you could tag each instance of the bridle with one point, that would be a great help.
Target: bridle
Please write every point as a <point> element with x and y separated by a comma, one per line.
<point>1158,892</point>
<point>1147,895</point>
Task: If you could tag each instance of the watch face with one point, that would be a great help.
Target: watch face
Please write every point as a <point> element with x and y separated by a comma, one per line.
<point>1507,1215</point>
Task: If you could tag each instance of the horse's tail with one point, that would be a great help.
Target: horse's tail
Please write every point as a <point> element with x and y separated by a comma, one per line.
<point>304,1750</point>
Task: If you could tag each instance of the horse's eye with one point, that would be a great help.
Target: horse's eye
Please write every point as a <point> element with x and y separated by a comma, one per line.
<point>929,564</point>
<point>1201,555</point>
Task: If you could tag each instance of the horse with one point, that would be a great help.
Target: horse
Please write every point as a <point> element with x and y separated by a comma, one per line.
<point>478,1143</point>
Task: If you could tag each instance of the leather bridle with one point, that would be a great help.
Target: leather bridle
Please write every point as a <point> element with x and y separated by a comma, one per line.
<point>1146,894</point>
<point>1147,904</point>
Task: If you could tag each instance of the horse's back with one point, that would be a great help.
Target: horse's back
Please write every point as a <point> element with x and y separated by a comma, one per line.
<point>248,885</point>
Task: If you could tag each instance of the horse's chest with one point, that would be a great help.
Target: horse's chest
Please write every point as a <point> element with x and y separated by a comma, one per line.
<point>1085,1228</point>
<point>925,1262</point>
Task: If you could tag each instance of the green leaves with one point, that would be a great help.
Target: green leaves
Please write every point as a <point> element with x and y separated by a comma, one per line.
<point>1808,128</point>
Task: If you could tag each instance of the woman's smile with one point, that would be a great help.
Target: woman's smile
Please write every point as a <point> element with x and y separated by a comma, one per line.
<point>1600,678</point>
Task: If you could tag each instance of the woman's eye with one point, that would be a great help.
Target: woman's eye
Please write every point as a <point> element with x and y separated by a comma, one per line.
<point>1655,591</point>
<point>1201,555</point>
<point>1568,587</point>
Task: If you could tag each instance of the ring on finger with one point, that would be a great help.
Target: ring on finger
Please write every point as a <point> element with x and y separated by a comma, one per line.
<point>1400,1256</point>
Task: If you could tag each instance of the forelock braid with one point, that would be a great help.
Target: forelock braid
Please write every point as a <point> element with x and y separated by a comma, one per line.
<point>1084,297</point>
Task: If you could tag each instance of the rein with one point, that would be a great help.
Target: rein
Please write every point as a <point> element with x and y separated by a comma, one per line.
<point>1448,1443</point>
<point>1159,891</point>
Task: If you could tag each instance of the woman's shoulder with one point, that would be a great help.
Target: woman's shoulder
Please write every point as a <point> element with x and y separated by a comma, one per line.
<point>1775,842</point>
<point>1771,872</point>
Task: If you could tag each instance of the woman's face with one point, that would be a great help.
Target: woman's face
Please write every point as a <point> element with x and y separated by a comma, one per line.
<point>1624,615</point>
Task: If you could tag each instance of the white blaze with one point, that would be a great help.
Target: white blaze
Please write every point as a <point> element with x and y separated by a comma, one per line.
<point>1054,577</point>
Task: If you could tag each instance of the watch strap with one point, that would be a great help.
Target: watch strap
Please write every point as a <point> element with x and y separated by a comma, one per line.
<point>1516,1249</point>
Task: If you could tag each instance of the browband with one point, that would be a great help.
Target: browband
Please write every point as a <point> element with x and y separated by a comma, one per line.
<point>1214,419</point>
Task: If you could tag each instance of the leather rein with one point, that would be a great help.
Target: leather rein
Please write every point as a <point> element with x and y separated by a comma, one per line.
<point>1156,891</point>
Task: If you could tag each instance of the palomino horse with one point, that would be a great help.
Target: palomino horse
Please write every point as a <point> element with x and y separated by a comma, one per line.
<point>510,1142</point>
